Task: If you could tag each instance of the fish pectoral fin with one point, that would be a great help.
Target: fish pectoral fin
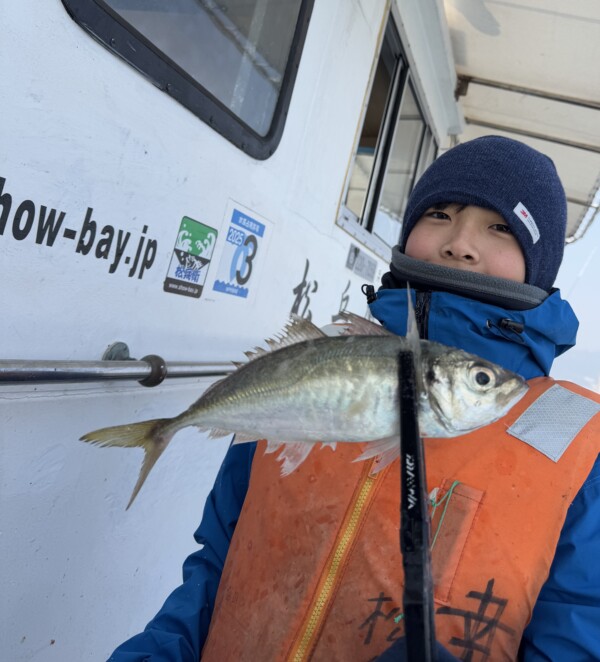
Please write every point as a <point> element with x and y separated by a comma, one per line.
<point>293,455</point>
<point>153,436</point>
<point>386,450</point>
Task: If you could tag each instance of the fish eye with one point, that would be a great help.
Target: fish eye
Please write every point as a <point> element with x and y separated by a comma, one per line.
<point>482,376</point>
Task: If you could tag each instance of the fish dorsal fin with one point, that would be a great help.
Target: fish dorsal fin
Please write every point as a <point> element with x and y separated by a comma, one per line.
<point>252,354</point>
<point>412,336</point>
<point>351,324</point>
<point>296,330</point>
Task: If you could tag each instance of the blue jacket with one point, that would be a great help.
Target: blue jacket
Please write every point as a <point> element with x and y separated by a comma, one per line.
<point>566,619</point>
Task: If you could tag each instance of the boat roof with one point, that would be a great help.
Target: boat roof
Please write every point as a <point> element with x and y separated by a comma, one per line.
<point>529,70</point>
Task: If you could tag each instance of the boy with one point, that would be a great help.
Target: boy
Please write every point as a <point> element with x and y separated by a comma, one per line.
<point>314,570</point>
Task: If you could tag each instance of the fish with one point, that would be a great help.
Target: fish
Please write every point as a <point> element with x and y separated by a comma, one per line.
<point>323,387</point>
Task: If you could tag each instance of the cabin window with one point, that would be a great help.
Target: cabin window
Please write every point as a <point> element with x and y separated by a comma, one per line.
<point>394,147</point>
<point>231,62</point>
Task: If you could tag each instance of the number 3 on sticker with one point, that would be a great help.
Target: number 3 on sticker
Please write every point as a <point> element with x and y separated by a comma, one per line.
<point>241,262</point>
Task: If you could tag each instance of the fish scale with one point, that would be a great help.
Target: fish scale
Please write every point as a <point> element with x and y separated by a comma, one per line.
<point>318,382</point>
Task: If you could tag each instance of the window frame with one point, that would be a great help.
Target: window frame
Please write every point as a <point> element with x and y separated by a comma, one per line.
<point>112,31</point>
<point>361,228</point>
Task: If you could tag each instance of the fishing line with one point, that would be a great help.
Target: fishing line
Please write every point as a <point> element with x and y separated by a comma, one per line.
<point>435,505</point>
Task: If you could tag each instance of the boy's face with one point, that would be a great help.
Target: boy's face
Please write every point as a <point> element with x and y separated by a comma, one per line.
<point>467,237</point>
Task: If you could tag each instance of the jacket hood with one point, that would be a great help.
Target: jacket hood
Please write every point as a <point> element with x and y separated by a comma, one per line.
<point>527,344</point>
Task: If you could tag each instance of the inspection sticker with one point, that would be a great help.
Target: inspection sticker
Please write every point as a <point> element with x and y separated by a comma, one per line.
<point>244,241</point>
<point>191,256</point>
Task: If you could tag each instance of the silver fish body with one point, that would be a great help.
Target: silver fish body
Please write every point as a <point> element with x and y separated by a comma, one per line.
<point>346,389</point>
<point>328,389</point>
<point>331,389</point>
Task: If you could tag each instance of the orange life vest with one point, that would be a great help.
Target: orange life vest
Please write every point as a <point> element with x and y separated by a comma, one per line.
<point>314,569</point>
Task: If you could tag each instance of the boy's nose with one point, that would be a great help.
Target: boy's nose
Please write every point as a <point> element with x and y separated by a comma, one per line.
<point>459,245</point>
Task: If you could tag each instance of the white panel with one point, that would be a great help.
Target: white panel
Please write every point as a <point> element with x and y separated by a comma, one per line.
<point>529,113</point>
<point>548,46</point>
<point>424,34</point>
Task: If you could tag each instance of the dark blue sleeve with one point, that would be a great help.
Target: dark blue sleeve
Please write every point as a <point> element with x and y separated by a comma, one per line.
<point>565,624</point>
<point>177,633</point>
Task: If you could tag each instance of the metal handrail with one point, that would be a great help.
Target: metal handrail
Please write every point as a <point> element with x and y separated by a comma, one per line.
<point>149,371</point>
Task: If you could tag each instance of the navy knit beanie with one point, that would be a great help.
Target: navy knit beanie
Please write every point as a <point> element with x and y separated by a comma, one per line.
<point>513,179</point>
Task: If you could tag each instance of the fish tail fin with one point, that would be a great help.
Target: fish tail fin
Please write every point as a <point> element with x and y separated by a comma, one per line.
<point>153,436</point>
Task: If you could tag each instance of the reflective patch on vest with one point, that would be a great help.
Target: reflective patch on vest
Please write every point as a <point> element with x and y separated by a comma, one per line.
<point>552,422</point>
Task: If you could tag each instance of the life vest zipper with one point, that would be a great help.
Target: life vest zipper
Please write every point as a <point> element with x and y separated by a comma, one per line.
<point>311,627</point>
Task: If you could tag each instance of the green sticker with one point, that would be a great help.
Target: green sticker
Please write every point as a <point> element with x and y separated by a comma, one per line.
<point>191,256</point>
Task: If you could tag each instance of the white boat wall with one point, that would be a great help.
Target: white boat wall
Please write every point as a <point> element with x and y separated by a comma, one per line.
<point>163,199</point>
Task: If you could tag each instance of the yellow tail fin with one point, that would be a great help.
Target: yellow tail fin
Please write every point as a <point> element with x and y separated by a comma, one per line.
<point>153,436</point>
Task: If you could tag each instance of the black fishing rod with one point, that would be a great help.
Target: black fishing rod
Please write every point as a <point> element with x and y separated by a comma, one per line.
<point>414,522</point>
